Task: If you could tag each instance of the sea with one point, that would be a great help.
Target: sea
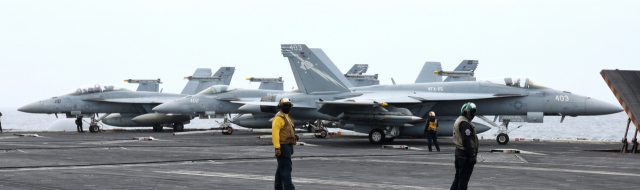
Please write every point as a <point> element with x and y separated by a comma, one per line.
<point>605,127</point>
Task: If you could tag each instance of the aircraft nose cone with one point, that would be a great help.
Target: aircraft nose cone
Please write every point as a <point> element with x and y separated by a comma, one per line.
<point>168,107</point>
<point>35,107</point>
<point>599,107</point>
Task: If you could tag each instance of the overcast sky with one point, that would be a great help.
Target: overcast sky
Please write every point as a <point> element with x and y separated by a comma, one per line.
<point>48,48</point>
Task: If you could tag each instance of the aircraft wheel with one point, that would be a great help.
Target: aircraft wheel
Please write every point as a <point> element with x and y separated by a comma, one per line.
<point>157,128</point>
<point>94,129</point>
<point>227,131</point>
<point>178,127</point>
<point>389,139</point>
<point>376,136</point>
<point>502,139</point>
<point>323,134</point>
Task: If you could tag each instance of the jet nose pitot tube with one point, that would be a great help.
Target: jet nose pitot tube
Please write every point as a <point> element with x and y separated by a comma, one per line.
<point>599,107</point>
<point>36,107</point>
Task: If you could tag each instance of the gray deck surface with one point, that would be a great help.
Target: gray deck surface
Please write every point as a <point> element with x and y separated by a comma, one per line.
<point>110,160</point>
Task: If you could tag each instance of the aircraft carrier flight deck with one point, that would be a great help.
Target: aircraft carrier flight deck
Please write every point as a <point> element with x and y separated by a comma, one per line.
<point>113,160</point>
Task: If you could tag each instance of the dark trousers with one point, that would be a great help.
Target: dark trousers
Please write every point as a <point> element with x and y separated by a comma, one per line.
<point>0,127</point>
<point>463,173</point>
<point>431,135</point>
<point>283,173</point>
<point>80,128</point>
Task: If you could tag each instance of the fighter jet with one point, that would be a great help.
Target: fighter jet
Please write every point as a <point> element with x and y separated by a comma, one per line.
<point>356,76</point>
<point>130,109</point>
<point>217,101</point>
<point>389,111</point>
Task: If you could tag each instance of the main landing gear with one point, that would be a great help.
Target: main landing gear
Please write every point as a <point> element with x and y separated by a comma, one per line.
<point>158,128</point>
<point>226,124</point>
<point>377,136</point>
<point>317,127</point>
<point>178,127</point>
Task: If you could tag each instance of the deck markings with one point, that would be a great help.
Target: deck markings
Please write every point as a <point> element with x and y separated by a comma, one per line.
<point>296,180</point>
<point>503,167</point>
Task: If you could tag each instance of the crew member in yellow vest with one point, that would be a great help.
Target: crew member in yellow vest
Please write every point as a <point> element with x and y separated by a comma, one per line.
<point>283,137</point>
<point>431,129</point>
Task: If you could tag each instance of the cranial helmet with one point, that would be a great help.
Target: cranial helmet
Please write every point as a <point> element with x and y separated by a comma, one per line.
<point>468,110</point>
<point>432,114</point>
<point>285,105</point>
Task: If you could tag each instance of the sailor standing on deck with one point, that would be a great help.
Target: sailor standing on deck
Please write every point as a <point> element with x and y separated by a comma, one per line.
<point>431,129</point>
<point>0,122</point>
<point>466,140</point>
<point>79,124</point>
<point>283,137</point>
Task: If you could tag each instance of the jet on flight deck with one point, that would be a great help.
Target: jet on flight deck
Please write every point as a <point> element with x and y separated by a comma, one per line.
<point>389,111</point>
<point>130,108</point>
<point>216,101</point>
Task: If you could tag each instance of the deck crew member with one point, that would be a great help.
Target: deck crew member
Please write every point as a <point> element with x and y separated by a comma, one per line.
<point>431,129</point>
<point>0,122</point>
<point>466,140</point>
<point>283,137</point>
<point>79,124</point>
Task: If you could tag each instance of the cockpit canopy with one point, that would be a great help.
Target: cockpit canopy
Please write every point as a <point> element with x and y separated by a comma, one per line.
<point>97,88</point>
<point>521,82</point>
<point>217,89</point>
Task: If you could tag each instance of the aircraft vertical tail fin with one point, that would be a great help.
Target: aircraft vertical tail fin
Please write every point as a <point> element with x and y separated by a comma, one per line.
<point>225,74</point>
<point>268,83</point>
<point>192,85</point>
<point>465,65</point>
<point>146,85</point>
<point>221,77</point>
<point>356,76</point>
<point>358,69</point>
<point>426,74</point>
<point>313,70</point>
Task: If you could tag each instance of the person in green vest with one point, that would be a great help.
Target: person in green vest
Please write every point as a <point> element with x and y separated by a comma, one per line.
<point>466,141</point>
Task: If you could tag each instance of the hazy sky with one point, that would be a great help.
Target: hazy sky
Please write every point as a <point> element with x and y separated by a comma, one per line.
<point>48,48</point>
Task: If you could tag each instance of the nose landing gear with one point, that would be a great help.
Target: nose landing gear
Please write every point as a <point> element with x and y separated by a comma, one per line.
<point>502,136</point>
<point>93,126</point>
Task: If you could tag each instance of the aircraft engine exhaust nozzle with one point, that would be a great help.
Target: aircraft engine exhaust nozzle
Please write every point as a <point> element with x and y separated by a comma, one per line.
<point>599,107</point>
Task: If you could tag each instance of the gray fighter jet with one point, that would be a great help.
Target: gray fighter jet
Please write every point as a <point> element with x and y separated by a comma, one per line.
<point>356,77</point>
<point>216,101</point>
<point>389,111</point>
<point>130,109</point>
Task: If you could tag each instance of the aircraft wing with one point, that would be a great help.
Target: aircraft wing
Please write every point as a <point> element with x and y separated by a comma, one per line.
<point>459,96</point>
<point>379,101</point>
<point>149,100</point>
